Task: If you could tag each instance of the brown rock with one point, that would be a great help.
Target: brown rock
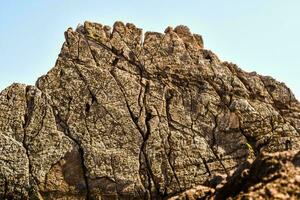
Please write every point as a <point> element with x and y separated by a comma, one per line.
<point>270,176</point>
<point>122,117</point>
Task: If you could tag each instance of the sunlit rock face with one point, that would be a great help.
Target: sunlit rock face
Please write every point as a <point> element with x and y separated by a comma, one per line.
<point>127,115</point>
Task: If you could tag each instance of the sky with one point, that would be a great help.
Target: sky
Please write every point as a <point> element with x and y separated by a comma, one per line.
<point>257,35</point>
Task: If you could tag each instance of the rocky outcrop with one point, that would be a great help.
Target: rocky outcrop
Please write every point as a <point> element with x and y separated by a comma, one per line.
<point>270,176</point>
<point>127,115</point>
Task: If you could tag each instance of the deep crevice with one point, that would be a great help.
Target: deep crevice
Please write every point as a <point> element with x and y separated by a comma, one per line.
<point>168,98</point>
<point>62,124</point>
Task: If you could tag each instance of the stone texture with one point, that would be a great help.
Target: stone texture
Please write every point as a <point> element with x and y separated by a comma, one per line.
<point>270,176</point>
<point>127,115</point>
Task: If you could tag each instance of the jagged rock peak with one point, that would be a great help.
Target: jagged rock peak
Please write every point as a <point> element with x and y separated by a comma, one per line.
<point>124,115</point>
<point>102,33</point>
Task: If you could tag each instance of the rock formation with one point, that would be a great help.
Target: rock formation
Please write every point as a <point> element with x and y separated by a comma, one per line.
<point>127,115</point>
<point>270,176</point>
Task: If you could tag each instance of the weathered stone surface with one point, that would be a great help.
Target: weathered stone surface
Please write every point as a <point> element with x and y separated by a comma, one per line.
<point>124,115</point>
<point>270,176</point>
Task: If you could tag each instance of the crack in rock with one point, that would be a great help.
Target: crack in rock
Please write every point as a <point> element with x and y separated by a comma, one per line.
<point>127,115</point>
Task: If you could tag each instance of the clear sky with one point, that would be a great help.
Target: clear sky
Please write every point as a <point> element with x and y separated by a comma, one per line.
<point>258,35</point>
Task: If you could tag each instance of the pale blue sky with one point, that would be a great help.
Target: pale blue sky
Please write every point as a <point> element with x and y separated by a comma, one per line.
<point>258,35</point>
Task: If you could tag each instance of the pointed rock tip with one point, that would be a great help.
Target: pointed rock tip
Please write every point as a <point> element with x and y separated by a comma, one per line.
<point>91,24</point>
<point>119,27</point>
<point>168,29</point>
<point>182,29</point>
<point>184,33</point>
<point>70,29</point>
<point>96,30</point>
<point>95,26</point>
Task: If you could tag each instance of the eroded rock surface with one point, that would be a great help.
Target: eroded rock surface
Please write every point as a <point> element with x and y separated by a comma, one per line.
<point>127,115</point>
<point>270,176</point>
